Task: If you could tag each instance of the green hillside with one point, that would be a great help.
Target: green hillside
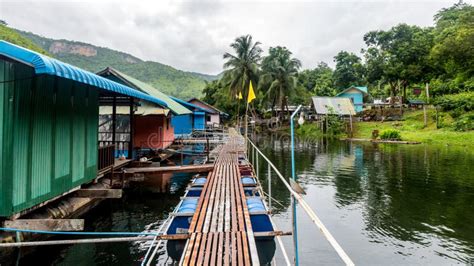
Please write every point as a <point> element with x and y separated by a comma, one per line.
<point>11,35</point>
<point>93,58</point>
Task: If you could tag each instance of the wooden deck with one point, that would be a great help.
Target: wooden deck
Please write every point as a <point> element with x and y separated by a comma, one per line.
<point>220,230</point>
<point>118,163</point>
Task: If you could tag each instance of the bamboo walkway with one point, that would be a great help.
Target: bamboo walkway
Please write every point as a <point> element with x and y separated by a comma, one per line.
<point>220,230</point>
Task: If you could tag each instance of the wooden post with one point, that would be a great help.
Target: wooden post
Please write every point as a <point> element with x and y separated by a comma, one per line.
<point>130,144</point>
<point>350,117</point>
<point>46,224</point>
<point>437,123</point>
<point>114,118</point>
<point>427,88</point>
<point>208,147</point>
<point>327,124</point>
<point>424,115</point>
<point>98,193</point>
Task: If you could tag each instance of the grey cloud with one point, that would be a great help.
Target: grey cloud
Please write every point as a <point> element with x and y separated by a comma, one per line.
<point>193,35</point>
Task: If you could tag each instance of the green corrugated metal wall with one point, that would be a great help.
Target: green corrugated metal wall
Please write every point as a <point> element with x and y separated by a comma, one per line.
<point>48,136</point>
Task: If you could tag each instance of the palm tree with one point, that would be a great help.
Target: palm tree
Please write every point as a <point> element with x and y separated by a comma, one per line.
<point>242,67</point>
<point>280,75</point>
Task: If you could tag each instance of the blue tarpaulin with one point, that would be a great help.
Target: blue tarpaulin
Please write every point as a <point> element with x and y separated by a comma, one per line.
<point>49,66</point>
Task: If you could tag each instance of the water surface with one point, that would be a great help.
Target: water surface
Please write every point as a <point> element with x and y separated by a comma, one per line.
<point>385,204</point>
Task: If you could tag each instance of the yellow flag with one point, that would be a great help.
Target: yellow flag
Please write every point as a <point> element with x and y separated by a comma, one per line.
<point>240,96</point>
<point>251,95</point>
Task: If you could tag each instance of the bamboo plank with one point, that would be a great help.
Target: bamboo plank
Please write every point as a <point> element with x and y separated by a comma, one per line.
<point>221,231</point>
<point>194,254</point>
<point>201,254</point>
<point>189,249</point>
<point>234,248</point>
<point>220,249</point>
<point>207,249</point>
<point>239,248</point>
<point>214,249</point>
<point>227,245</point>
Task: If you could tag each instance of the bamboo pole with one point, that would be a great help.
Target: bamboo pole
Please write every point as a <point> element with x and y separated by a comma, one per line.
<point>89,240</point>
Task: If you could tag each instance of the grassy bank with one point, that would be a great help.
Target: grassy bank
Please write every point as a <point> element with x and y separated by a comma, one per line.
<point>412,129</point>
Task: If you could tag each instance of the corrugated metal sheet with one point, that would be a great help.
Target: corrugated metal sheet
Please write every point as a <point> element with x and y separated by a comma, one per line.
<point>191,106</point>
<point>199,120</point>
<point>49,136</point>
<point>45,65</point>
<point>333,105</point>
<point>182,124</point>
<point>361,89</point>
<point>120,77</point>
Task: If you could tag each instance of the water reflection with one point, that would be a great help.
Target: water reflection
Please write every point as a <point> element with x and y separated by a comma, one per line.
<point>416,202</point>
<point>385,204</point>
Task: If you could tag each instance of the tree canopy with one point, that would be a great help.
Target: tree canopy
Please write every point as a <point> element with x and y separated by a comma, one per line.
<point>349,70</point>
<point>404,56</point>
<point>279,75</point>
<point>243,66</point>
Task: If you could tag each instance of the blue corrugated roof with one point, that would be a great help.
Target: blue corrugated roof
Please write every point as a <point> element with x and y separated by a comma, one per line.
<point>190,105</point>
<point>47,65</point>
<point>363,89</point>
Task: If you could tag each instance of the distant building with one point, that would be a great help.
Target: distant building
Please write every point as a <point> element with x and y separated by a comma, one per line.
<point>357,95</point>
<point>333,105</point>
<point>196,120</point>
<point>151,124</point>
<point>215,115</point>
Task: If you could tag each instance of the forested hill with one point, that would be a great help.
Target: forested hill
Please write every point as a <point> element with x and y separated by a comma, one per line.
<point>93,58</point>
<point>11,35</point>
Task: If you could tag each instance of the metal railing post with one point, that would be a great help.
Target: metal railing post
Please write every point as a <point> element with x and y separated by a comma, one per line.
<point>256,163</point>
<point>269,187</point>
<point>253,156</point>
<point>293,176</point>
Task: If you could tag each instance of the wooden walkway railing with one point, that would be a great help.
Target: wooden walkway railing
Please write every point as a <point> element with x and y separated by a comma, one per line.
<point>220,230</point>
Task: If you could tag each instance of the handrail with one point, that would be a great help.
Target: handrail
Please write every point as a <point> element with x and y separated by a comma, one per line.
<point>342,254</point>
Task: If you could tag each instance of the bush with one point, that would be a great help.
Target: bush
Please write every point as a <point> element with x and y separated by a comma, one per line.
<point>445,120</point>
<point>335,125</point>
<point>464,123</point>
<point>390,134</point>
<point>457,103</point>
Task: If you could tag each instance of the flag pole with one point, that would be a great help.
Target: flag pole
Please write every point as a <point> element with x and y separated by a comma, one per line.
<point>246,123</point>
<point>237,114</point>
<point>250,97</point>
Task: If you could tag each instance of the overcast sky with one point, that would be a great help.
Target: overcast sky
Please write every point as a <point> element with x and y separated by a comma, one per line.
<point>193,35</point>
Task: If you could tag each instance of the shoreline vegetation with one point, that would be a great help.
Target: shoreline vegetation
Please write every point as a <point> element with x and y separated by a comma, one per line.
<point>405,64</point>
<point>411,128</point>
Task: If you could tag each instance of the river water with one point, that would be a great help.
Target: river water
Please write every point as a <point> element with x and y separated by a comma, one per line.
<point>385,205</point>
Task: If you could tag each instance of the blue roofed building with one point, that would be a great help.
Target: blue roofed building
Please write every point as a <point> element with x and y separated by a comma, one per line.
<point>357,94</point>
<point>49,127</point>
<point>185,124</point>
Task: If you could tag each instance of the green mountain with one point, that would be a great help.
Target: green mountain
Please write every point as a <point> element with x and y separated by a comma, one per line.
<point>167,79</point>
<point>11,35</point>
